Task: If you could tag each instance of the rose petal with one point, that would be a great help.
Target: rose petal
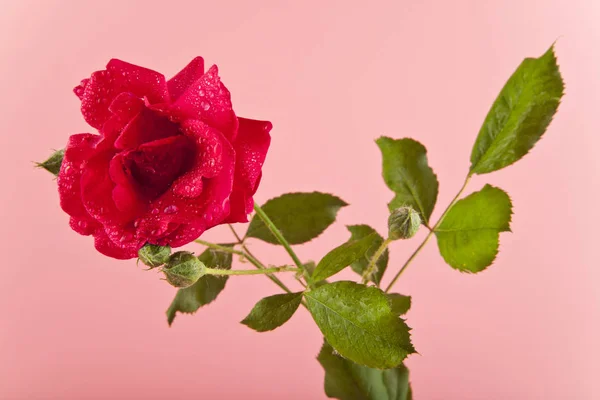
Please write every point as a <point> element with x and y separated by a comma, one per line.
<point>79,148</point>
<point>207,99</point>
<point>126,193</point>
<point>145,127</point>
<point>80,89</point>
<point>126,106</point>
<point>251,146</point>
<point>119,77</point>
<point>190,74</point>
<point>97,191</point>
<point>109,248</point>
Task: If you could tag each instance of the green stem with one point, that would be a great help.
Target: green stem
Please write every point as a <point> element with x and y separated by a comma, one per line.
<point>373,263</point>
<point>430,234</point>
<point>257,263</point>
<point>278,235</point>
<point>224,249</point>
<point>237,237</point>
<point>216,271</point>
<point>272,277</point>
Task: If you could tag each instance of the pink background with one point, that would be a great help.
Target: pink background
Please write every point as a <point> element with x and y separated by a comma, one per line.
<point>331,76</point>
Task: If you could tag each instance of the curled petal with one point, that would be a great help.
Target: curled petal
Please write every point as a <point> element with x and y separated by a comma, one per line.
<point>190,74</point>
<point>126,106</point>
<point>80,89</point>
<point>251,146</point>
<point>103,86</point>
<point>145,127</point>
<point>79,148</point>
<point>97,191</point>
<point>208,100</point>
<point>109,248</point>
<point>125,193</point>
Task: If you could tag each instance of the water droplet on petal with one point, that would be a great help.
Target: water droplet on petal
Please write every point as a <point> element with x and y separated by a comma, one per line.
<point>205,105</point>
<point>154,211</point>
<point>171,209</point>
<point>126,237</point>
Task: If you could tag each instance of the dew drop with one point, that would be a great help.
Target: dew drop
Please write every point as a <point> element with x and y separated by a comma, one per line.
<point>154,211</point>
<point>125,237</point>
<point>171,209</point>
<point>205,105</point>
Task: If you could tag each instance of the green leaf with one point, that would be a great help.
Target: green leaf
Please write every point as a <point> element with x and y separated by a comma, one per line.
<point>359,266</point>
<point>273,311</point>
<point>520,115</point>
<point>53,163</point>
<point>400,303</point>
<point>406,172</point>
<point>346,380</point>
<point>359,323</point>
<point>344,255</point>
<point>300,217</point>
<point>205,290</point>
<point>468,235</point>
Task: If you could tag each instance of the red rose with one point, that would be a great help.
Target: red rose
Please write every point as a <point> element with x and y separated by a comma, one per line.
<point>171,160</point>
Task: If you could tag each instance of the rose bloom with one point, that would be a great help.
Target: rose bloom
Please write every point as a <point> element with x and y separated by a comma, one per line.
<point>171,159</point>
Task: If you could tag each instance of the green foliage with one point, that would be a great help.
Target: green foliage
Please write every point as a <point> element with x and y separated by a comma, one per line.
<point>359,266</point>
<point>300,217</point>
<point>468,235</point>
<point>346,380</point>
<point>205,290</point>
<point>154,255</point>
<point>400,304</point>
<point>53,163</point>
<point>359,323</point>
<point>406,172</point>
<point>273,311</point>
<point>344,255</point>
<point>520,115</point>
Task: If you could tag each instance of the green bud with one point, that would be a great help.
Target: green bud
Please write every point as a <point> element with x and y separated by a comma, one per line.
<point>154,255</point>
<point>183,269</point>
<point>403,223</point>
<point>53,163</point>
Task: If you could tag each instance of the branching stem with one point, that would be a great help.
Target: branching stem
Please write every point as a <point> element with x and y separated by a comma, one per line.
<point>217,271</point>
<point>373,263</point>
<point>430,234</point>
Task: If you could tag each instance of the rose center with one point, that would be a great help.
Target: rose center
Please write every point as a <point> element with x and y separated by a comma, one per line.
<point>155,165</point>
